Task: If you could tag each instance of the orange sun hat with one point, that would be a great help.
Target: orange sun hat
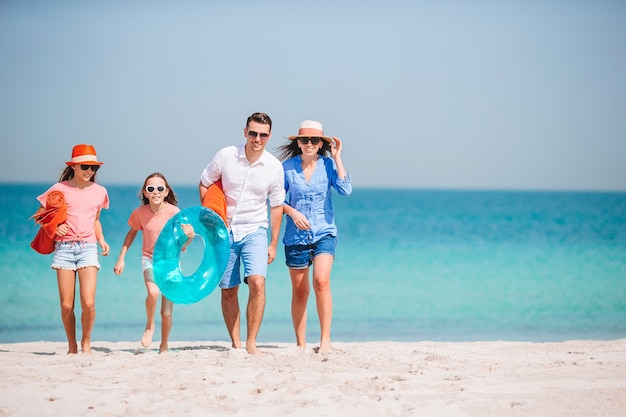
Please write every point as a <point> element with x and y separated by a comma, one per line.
<point>84,154</point>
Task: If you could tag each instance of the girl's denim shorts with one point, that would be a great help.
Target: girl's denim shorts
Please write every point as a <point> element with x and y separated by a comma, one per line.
<point>301,256</point>
<point>75,255</point>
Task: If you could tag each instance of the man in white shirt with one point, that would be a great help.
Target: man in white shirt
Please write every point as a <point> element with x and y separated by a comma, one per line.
<point>251,177</point>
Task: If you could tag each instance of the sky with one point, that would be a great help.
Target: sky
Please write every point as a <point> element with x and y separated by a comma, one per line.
<point>487,95</point>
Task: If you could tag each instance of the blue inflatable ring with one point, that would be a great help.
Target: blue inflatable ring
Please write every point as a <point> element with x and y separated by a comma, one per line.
<point>208,226</point>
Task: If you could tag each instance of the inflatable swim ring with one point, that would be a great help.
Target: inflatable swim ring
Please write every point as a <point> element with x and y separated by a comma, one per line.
<point>208,226</point>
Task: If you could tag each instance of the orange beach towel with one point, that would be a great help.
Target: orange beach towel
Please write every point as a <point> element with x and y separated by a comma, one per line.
<point>215,199</point>
<point>54,214</point>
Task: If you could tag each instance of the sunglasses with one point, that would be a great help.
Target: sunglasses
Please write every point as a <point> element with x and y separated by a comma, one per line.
<point>94,168</point>
<point>159,188</point>
<point>314,141</point>
<point>254,134</point>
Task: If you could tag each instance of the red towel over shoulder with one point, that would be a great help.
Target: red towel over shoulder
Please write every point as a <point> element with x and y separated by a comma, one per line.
<point>55,213</point>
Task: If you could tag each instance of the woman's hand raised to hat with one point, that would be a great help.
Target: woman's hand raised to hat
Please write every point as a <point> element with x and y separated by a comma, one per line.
<point>335,151</point>
<point>335,148</point>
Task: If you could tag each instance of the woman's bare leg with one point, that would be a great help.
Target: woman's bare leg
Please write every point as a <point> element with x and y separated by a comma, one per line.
<point>299,297</point>
<point>322,266</point>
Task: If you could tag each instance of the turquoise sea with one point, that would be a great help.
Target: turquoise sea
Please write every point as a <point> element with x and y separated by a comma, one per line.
<point>411,265</point>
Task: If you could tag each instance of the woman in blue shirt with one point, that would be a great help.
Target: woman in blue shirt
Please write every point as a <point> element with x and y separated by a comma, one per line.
<point>310,236</point>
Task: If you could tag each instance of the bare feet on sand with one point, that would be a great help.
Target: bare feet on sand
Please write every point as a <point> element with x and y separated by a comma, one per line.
<point>73,349</point>
<point>146,339</point>
<point>252,349</point>
<point>85,346</point>
<point>324,347</point>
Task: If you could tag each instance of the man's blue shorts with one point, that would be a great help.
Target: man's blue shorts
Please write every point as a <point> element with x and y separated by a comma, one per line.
<point>252,252</point>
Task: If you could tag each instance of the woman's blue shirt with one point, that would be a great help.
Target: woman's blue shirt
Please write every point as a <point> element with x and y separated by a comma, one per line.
<point>313,199</point>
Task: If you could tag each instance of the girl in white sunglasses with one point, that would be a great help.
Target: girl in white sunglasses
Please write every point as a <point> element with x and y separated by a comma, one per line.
<point>159,204</point>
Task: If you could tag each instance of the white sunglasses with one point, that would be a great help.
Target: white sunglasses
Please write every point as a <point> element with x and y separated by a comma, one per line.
<point>159,188</point>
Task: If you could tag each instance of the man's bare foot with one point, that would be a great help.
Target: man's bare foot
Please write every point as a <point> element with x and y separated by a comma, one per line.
<point>164,347</point>
<point>85,346</point>
<point>236,345</point>
<point>146,339</point>
<point>252,349</point>
<point>73,349</point>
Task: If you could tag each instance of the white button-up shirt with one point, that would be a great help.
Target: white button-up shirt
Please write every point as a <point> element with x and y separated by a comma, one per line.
<point>247,187</point>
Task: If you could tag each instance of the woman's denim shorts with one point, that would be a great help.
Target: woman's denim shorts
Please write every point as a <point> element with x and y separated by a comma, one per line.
<point>75,255</point>
<point>301,256</point>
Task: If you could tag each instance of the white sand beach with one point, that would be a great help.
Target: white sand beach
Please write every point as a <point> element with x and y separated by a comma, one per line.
<point>575,378</point>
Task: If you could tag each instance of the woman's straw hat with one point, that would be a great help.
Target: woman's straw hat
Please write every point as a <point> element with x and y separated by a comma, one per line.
<point>311,129</point>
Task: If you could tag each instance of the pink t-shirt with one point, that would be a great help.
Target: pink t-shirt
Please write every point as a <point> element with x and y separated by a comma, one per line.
<point>83,206</point>
<point>150,224</point>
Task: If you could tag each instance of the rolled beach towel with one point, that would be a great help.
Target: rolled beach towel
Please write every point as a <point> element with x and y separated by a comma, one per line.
<point>54,214</point>
<point>215,199</point>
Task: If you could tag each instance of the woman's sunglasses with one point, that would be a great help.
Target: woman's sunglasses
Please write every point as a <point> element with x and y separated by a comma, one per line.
<point>314,141</point>
<point>159,188</point>
<point>94,168</point>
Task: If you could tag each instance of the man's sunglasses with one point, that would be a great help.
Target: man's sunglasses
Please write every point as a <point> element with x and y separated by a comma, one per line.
<point>254,134</point>
<point>314,141</point>
<point>159,188</point>
<point>94,168</point>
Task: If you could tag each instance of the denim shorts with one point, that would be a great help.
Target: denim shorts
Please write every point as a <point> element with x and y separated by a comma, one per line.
<point>252,252</point>
<point>301,256</point>
<point>75,255</point>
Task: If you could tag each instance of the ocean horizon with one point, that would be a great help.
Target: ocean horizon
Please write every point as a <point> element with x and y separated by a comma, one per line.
<point>411,265</point>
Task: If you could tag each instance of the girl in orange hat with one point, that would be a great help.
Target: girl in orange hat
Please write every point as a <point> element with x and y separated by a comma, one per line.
<point>77,239</point>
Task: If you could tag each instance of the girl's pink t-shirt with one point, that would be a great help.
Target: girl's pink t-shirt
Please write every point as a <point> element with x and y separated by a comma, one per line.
<point>83,206</point>
<point>150,224</point>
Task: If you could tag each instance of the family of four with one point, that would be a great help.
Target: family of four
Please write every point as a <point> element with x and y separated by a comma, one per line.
<point>251,178</point>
